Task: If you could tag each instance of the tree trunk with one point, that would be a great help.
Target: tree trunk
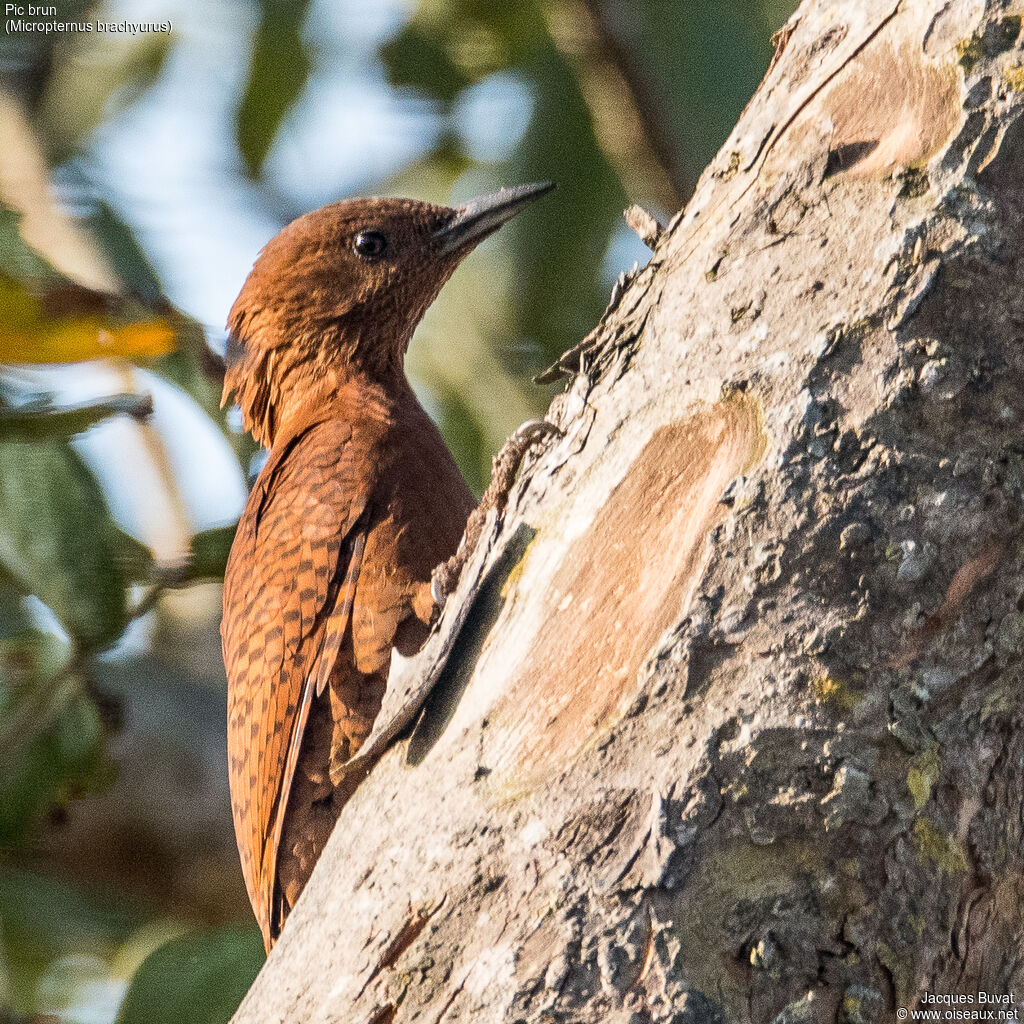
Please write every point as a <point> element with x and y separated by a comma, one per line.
<point>728,728</point>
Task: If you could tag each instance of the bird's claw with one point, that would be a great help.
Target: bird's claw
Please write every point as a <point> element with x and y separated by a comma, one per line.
<point>445,578</point>
<point>440,587</point>
<point>505,465</point>
<point>533,431</point>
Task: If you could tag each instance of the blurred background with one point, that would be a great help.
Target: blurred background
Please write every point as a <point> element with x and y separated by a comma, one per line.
<point>140,172</point>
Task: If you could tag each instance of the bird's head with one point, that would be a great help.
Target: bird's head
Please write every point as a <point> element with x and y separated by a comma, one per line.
<point>338,293</point>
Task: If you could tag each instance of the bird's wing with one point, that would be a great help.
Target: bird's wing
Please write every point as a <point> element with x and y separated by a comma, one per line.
<point>288,593</point>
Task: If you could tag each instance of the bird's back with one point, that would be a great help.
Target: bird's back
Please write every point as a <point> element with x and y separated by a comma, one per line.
<point>330,567</point>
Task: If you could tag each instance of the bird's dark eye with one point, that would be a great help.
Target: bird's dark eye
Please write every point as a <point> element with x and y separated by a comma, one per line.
<point>369,245</point>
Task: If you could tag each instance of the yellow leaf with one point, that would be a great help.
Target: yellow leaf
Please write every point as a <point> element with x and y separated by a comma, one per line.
<point>72,341</point>
<point>64,322</point>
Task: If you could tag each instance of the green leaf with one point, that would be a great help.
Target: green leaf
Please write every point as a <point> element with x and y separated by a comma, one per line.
<point>278,70</point>
<point>414,59</point>
<point>122,249</point>
<point>199,978</point>
<point>58,752</point>
<point>58,541</point>
<point>40,421</point>
<point>13,619</point>
<point>134,558</point>
<point>210,550</point>
<point>16,258</point>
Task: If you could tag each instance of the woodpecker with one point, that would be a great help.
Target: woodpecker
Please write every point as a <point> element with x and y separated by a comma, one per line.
<point>357,504</point>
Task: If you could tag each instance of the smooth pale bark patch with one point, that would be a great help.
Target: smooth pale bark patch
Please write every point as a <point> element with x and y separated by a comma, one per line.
<point>625,581</point>
<point>891,109</point>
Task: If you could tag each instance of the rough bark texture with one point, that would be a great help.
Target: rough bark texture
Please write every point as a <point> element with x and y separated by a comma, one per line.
<point>730,730</point>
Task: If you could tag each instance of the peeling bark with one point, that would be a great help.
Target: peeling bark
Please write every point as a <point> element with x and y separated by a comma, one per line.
<point>723,721</point>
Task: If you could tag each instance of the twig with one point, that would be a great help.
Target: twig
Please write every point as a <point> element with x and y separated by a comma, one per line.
<point>647,107</point>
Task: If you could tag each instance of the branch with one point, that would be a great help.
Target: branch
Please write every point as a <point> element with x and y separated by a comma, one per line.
<point>648,107</point>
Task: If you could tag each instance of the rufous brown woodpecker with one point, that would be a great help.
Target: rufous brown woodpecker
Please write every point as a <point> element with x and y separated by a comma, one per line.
<point>358,501</point>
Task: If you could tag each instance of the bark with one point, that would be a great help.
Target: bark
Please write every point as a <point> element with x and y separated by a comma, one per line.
<point>723,721</point>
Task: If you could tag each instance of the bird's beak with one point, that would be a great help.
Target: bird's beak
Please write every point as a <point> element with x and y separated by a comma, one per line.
<point>479,217</point>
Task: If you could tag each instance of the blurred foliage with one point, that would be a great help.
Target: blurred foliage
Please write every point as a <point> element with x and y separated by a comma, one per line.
<point>52,736</point>
<point>48,318</point>
<point>68,560</point>
<point>69,575</point>
<point>675,50</point>
<point>47,922</point>
<point>88,84</point>
<point>199,978</point>
<point>41,420</point>
<point>278,69</point>
<point>616,101</point>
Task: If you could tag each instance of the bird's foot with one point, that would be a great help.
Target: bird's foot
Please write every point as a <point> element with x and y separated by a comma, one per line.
<point>504,467</point>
